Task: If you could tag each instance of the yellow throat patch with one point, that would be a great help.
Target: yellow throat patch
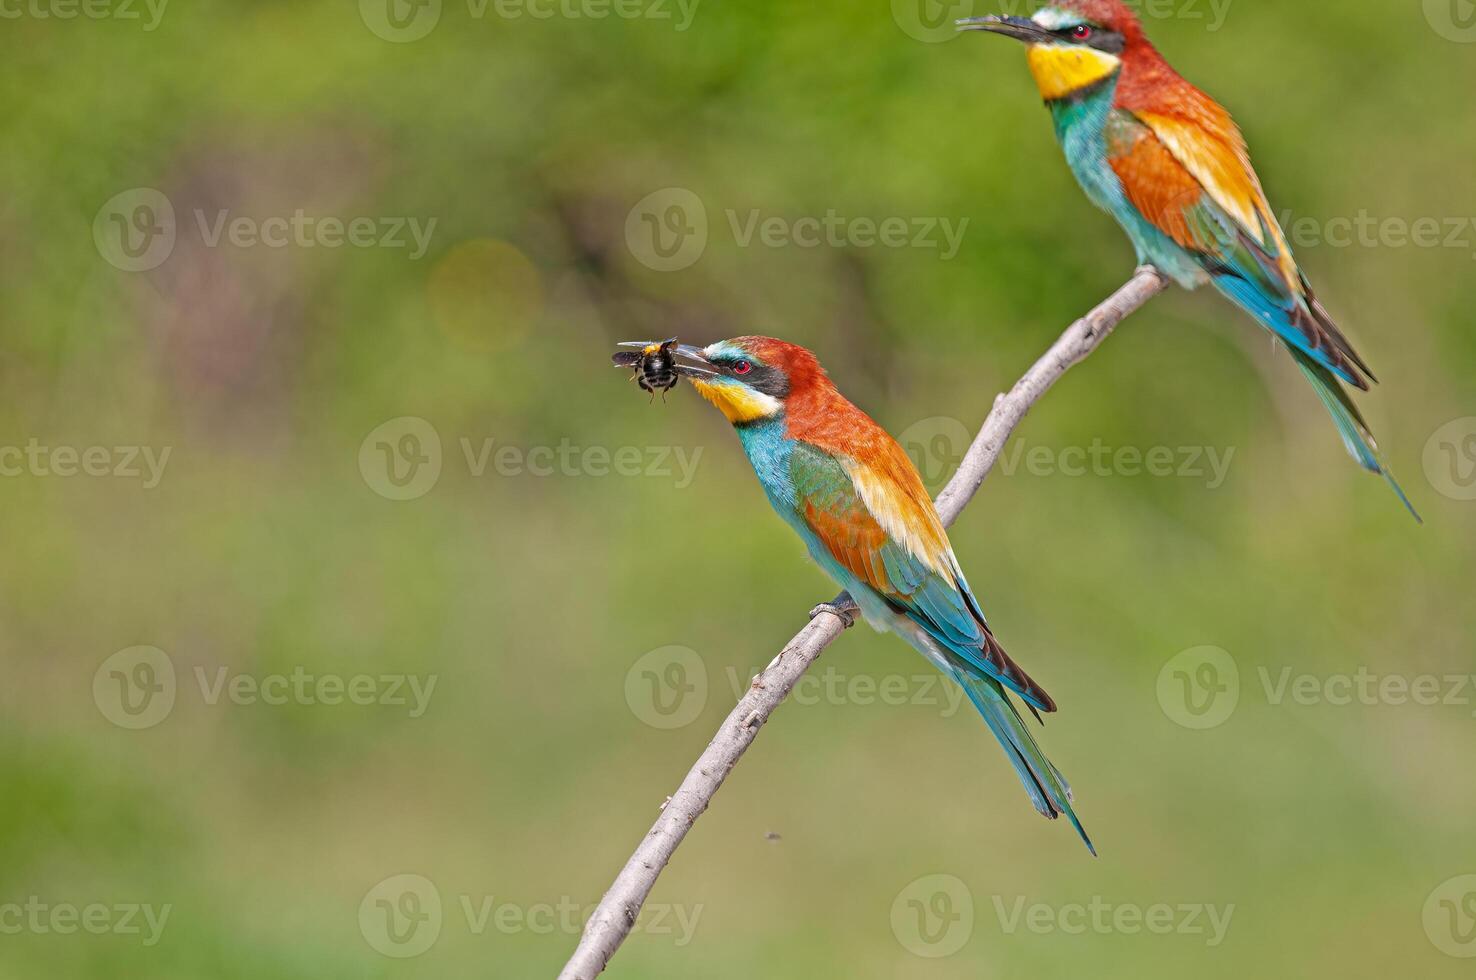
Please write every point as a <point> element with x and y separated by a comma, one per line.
<point>739,403</point>
<point>1061,69</point>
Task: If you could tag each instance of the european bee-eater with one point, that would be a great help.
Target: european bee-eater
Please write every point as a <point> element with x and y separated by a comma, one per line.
<point>1170,165</point>
<point>857,501</point>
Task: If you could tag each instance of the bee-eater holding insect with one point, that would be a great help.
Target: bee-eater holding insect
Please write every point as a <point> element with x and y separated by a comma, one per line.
<point>1169,164</point>
<point>857,501</point>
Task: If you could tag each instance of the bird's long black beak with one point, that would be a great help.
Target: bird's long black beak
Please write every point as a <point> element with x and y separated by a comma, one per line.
<point>1019,28</point>
<point>694,354</point>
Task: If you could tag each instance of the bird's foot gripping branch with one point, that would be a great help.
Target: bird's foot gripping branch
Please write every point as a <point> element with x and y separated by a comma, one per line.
<point>841,607</point>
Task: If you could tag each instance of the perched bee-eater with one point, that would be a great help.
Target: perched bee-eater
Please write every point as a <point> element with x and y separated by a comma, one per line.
<point>857,501</point>
<point>1169,164</point>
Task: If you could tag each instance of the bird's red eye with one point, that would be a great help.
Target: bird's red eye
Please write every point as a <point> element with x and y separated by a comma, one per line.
<point>1081,32</point>
<point>742,367</point>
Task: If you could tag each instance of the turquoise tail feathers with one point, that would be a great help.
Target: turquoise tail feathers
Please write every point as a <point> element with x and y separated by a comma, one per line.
<point>1047,788</point>
<point>1351,426</point>
<point>1326,363</point>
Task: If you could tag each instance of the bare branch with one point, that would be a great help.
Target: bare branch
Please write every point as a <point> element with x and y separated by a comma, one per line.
<point>617,911</point>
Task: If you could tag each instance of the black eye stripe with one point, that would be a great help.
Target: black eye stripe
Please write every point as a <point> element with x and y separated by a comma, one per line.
<point>1102,39</point>
<point>760,377</point>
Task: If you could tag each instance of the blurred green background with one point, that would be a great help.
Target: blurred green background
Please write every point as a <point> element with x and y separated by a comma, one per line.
<point>402,462</point>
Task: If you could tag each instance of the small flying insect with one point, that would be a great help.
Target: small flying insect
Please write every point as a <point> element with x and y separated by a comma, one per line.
<point>655,365</point>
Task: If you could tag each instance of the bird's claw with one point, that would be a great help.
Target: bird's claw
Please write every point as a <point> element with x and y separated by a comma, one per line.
<point>846,616</point>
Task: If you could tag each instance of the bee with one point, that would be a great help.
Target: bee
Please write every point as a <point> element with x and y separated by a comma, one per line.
<point>655,366</point>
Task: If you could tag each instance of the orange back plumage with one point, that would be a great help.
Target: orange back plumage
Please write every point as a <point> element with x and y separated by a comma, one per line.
<point>817,413</point>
